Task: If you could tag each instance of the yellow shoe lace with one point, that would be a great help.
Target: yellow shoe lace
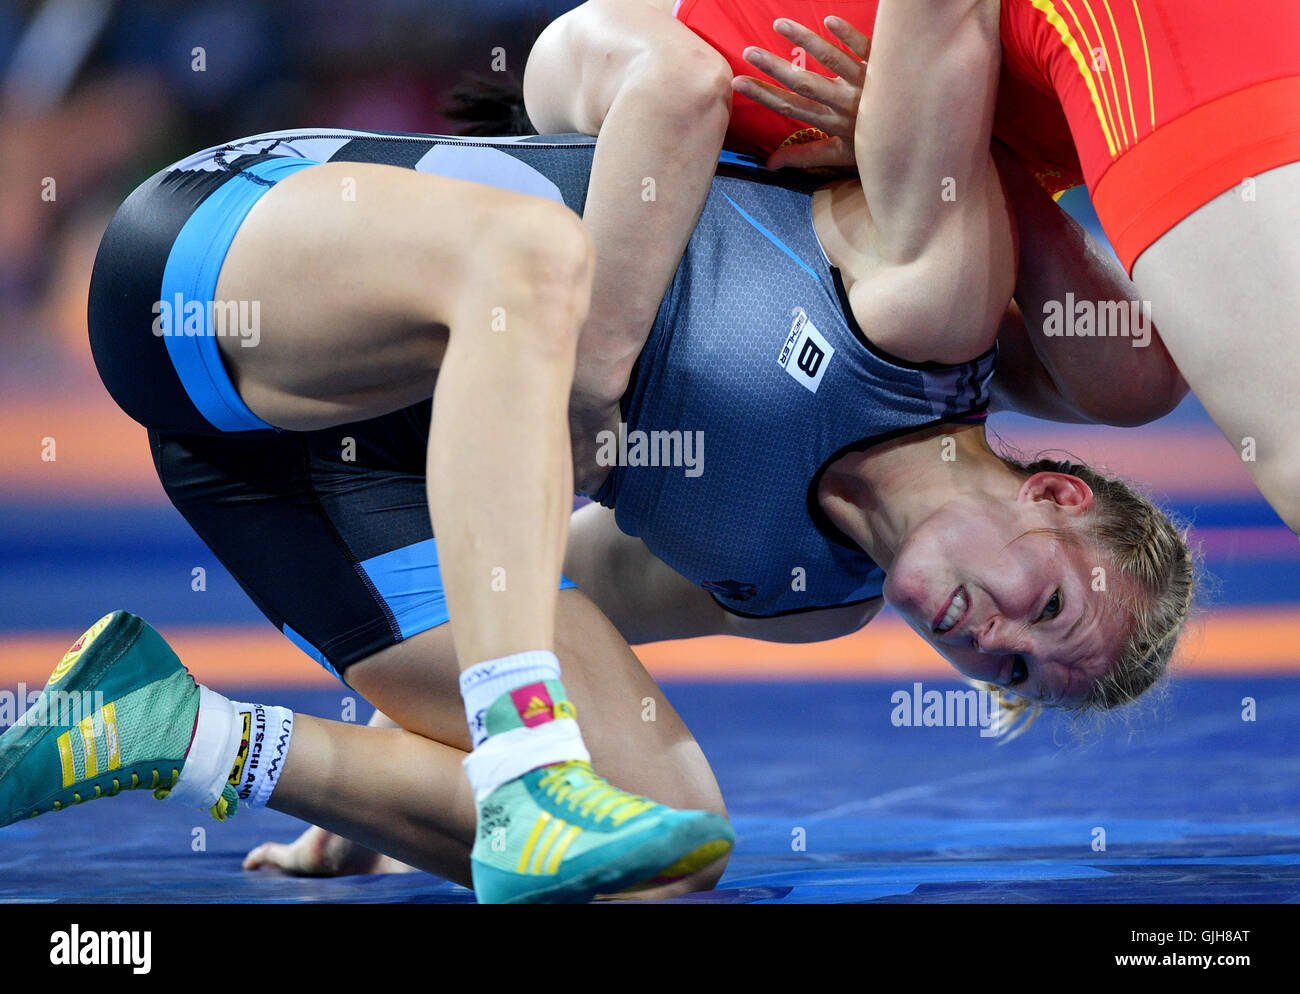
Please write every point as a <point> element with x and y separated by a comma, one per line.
<point>160,787</point>
<point>576,783</point>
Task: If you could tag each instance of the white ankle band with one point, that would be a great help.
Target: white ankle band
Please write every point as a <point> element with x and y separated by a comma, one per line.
<point>217,737</point>
<point>509,755</point>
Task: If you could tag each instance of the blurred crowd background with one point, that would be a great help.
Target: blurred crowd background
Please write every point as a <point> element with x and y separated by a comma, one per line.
<point>96,95</point>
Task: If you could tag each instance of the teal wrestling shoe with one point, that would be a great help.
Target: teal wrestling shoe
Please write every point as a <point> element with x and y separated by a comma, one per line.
<point>118,713</point>
<point>562,834</point>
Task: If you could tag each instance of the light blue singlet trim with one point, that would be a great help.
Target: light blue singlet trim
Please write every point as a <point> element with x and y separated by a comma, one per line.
<point>311,650</point>
<point>409,581</point>
<point>190,275</point>
<point>773,239</point>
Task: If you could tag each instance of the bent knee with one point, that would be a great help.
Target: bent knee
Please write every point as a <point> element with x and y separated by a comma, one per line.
<point>687,782</point>
<point>542,246</point>
<point>1278,479</point>
<point>535,261</point>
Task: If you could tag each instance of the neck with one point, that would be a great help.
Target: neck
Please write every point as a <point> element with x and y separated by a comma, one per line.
<point>879,497</point>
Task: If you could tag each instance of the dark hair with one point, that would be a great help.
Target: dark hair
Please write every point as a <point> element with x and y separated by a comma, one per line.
<point>489,105</point>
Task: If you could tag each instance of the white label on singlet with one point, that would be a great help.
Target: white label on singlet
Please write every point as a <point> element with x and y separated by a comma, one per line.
<point>806,353</point>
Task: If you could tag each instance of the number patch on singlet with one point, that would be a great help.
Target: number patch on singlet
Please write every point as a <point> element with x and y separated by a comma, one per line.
<point>806,353</point>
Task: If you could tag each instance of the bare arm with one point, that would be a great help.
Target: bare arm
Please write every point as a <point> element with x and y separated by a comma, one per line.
<point>939,224</point>
<point>1108,380</point>
<point>660,99</point>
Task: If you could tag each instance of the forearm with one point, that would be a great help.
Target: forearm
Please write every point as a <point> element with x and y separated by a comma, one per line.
<point>641,596</point>
<point>658,98</point>
<point>1021,382</point>
<point>653,167</point>
<point>1119,375</point>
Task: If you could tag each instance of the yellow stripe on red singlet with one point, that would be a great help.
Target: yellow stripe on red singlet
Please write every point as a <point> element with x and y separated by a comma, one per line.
<point>1110,71</point>
<point>1116,120</point>
<point>1151,85</point>
<point>1123,64</point>
<point>1048,9</point>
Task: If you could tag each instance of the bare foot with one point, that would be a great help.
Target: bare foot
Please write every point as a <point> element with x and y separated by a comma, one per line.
<point>318,853</point>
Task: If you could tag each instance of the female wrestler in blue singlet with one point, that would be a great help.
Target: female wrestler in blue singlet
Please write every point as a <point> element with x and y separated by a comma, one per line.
<point>845,452</point>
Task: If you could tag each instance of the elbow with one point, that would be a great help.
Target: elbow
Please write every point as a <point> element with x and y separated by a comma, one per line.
<point>1166,394</point>
<point>693,79</point>
<point>1151,405</point>
<point>1160,392</point>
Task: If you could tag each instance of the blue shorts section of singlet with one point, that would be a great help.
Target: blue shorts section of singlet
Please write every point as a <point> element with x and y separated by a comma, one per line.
<point>409,581</point>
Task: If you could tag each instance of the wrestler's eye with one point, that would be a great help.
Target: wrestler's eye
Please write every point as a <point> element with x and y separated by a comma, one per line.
<point>1052,608</point>
<point>1019,671</point>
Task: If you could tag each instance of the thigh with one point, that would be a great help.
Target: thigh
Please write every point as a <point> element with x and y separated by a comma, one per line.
<point>328,532</point>
<point>1225,291</point>
<point>636,738</point>
<point>357,270</point>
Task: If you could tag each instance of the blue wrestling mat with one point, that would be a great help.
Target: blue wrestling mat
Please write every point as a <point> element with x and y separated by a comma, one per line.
<point>833,803</point>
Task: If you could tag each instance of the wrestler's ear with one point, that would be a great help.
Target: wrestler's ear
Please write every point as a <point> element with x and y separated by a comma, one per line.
<point>1068,492</point>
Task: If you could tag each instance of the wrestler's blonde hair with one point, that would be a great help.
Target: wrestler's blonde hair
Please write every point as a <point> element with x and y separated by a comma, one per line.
<point>1158,590</point>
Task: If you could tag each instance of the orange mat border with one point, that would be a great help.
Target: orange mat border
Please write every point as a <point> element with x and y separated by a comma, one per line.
<point>103,454</point>
<point>1232,641</point>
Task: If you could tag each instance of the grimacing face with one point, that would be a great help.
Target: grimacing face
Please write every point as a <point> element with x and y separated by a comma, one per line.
<point>987,583</point>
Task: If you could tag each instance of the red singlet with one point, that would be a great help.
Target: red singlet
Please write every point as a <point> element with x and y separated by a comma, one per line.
<point>1029,118</point>
<point>1169,103</point>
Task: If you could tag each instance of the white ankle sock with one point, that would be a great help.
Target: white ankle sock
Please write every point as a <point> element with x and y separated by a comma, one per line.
<point>483,683</point>
<point>550,735</point>
<point>509,755</point>
<point>246,743</point>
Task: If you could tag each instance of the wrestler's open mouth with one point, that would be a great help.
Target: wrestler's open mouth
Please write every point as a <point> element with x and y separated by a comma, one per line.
<point>953,612</point>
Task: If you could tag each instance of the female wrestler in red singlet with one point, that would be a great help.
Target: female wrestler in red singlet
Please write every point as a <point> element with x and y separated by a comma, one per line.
<point>1185,118</point>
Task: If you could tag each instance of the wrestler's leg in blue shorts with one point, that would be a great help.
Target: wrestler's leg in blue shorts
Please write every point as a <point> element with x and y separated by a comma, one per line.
<point>331,541</point>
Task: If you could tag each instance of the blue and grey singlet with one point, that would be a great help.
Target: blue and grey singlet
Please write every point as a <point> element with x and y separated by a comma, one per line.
<point>754,378</point>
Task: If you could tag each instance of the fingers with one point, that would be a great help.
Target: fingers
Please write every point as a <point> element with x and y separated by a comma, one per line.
<point>829,153</point>
<point>789,104</point>
<point>853,39</point>
<point>810,85</point>
<point>273,854</point>
<point>822,51</point>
